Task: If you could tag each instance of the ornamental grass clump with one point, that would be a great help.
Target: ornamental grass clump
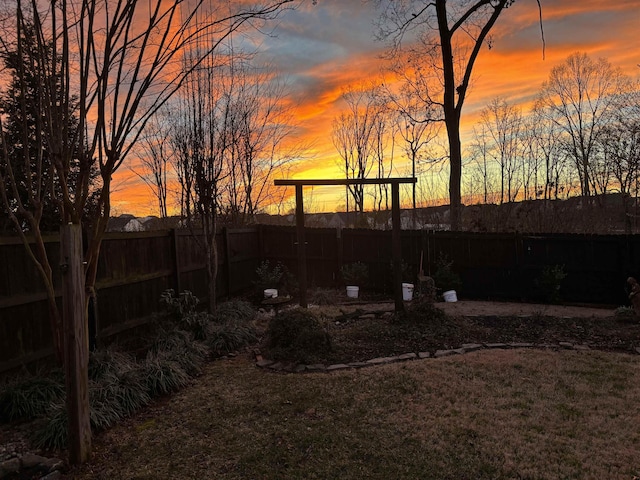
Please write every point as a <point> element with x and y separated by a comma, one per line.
<point>162,375</point>
<point>30,397</point>
<point>298,336</point>
<point>235,311</point>
<point>181,347</point>
<point>230,336</point>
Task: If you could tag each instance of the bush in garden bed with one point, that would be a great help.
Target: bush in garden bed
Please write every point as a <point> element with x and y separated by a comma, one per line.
<point>296,335</point>
<point>120,384</point>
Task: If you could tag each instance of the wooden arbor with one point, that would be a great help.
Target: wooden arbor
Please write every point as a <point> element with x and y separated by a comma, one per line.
<point>396,245</point>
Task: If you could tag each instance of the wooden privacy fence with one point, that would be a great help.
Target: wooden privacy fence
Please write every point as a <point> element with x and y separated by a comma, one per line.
<point>496,266</point>
<point>135,268</point>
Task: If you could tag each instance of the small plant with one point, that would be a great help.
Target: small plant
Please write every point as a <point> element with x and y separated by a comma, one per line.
<point>321,296</point>
<point>624,313</point>
<point>178,307</point>
<point>354,273</point>
<point>549,282</point>
<point>444,277</point>
<point>235,310</point>
<point>269,277</point>
<point>296,335</point>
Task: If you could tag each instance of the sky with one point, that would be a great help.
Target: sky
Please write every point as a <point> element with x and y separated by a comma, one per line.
<point>320,49</point>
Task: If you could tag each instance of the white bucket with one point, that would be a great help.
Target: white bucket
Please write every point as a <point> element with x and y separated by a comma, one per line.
<point>407,291</point>
<point>450,296</point>
<point>352,292</point>
<point>270,293</point>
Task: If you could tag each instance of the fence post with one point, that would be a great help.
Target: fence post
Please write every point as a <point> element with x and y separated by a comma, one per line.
<point>76,343</point>
<point>340,248</point>
<point>227,258</point>
<point>175,254</point>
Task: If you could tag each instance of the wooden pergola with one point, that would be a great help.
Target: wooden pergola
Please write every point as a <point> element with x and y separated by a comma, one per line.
<point>396,245</point>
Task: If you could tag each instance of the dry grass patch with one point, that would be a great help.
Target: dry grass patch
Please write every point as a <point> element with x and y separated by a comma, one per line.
<point>492,414</point>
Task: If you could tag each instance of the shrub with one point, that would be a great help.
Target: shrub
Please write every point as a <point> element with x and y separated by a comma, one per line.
<point>177,307</point>
<point>180,347</point>
<point>322,296</point>
<point>268,277</point>
<point>235,311</point>
<point>53,434</point>
<point>196,323</point>
<point>422,311</point>
<point>161,375</point>
<point>444,276</point>
<point>549,282</point>
<point>354,273</point>
<point>296,335</point>
<point>625,313</point>
<point>229,337</point>
<point>106,362</point>
<point>29,398</point>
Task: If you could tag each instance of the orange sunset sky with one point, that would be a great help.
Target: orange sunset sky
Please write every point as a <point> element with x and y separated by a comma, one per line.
<point>323,48</point>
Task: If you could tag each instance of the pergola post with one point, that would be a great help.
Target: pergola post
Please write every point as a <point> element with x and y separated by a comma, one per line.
<point>302,250</point>
<point>396,244</point>
<point>396,247</point>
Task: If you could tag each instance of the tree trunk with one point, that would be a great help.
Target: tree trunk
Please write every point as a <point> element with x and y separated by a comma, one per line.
<point>455,169</point>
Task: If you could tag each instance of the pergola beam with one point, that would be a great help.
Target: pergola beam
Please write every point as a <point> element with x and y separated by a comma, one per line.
<point>396,244</point>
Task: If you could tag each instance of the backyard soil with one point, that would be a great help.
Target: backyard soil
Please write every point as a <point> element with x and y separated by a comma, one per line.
<point>362,331</point>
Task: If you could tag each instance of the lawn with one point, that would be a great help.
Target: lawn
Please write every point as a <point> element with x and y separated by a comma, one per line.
<point>521,413</point>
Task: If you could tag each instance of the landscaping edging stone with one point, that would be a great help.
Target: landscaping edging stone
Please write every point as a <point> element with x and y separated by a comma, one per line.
<point>31,466</point>
<point>465,348</point>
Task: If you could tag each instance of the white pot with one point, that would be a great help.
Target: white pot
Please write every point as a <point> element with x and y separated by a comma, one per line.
<point>407,292</point>
<point>271,293</point>
<point>450,296</point>
<point>352,291</point>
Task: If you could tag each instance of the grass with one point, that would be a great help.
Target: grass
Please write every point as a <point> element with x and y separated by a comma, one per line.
<point>530,414</point>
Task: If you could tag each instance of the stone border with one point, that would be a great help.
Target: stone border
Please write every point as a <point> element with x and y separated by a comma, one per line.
<point>33,466</point>
<point>285,367</point>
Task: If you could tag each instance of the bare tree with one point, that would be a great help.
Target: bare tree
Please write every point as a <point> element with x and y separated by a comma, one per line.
<point>480,164</point>
<point>155,155</point>
<point>440,64</point>
<point>619,143</point>
<point>354,138</point>
<point>580,97</point>
<point>260,123</point>
<point>502,124</point>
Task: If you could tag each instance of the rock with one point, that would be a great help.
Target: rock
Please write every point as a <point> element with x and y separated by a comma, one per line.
<point>407,356</point>
<point>9,466</point>
<point>337,366</point>
<point>300,368</point>
<point>447,353</point>
<point>382,360</point>
<point>496,345</point>
<point>52,476</point>
<point>567,345</point>
<point>316,367</point>
<point>521,345</point>
<point>264,363</point>
<point>31,461</point>
<point>471,347</point>
<point>422,355</point>
<point>359,364</point>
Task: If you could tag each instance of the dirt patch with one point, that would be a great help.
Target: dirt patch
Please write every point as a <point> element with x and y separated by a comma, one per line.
<point>363,331</point>
<point>505,309</point>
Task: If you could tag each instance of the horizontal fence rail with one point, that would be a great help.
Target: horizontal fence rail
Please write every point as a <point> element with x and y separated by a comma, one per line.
<point>135,268</point>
